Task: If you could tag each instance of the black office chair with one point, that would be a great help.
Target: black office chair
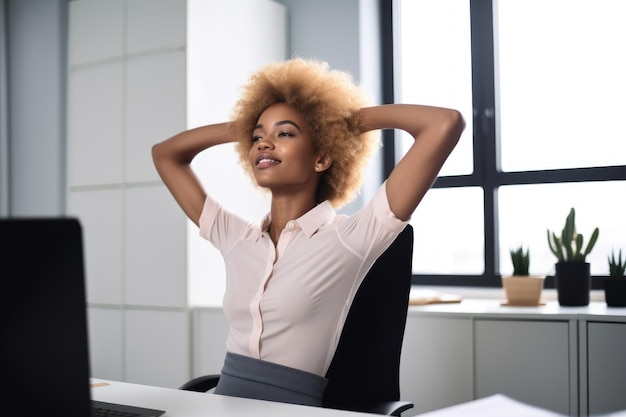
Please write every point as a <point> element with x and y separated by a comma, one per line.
<point>365,372</point>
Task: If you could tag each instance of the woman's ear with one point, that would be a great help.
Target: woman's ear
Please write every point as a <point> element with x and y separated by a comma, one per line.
<point>323,163</point>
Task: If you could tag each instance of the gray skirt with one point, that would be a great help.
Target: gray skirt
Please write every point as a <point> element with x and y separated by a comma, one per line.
<point>247,377</point>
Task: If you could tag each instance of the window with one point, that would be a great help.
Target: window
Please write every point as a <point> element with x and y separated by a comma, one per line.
<point>542,86</point>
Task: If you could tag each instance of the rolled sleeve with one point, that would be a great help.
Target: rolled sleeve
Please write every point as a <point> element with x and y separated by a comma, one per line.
<point>209,214</point>
<point>383,212</point>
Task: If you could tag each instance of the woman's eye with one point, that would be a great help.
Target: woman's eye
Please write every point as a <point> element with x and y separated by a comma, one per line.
<point>285,134</point>
<point>256,138</point>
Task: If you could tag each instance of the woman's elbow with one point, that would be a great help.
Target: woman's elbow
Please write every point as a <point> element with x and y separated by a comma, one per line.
<point>156,151</point>
<point>160,153</point>
<point>453,126</point>
<point>456,122</point>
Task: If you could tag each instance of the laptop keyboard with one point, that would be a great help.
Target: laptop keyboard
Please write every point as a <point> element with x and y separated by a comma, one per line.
<point>102,409</point>
<point>107,412</point>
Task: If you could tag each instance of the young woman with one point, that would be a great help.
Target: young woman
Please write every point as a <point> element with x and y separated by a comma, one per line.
<point>304,134</point>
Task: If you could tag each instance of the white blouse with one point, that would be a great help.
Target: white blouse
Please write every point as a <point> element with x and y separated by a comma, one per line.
<point>287,304</point>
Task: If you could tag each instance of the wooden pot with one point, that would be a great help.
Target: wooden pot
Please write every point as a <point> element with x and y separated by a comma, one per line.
<point>523,290</point>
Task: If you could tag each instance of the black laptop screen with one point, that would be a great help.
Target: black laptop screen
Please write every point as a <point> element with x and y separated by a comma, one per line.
<point>44,359</point>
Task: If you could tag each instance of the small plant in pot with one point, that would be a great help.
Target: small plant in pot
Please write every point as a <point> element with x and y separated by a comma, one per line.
<point>572,277</point>
<point>521,288</point>
<point>615,285</point>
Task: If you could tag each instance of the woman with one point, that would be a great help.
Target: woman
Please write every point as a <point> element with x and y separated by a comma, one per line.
<point>304,134</point>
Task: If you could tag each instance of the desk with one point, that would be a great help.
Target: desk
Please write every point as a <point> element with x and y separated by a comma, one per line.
<point>179,403</point>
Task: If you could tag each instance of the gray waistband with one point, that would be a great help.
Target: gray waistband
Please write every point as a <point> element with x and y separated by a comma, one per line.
<point>243,376</point>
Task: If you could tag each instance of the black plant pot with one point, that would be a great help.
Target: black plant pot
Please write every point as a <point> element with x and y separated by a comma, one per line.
<point>615,292</point>
<point>573,283</point>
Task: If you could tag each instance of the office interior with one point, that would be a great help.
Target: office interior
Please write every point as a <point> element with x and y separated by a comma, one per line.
<point>90,85</point>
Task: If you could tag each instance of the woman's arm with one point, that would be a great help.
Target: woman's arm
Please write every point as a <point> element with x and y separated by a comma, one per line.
<point>436,132</point>
<point>172,159</point>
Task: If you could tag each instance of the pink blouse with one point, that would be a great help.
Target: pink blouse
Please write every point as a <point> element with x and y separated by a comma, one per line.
<point>287,303</point>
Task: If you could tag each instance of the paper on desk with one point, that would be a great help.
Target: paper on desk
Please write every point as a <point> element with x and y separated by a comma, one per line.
<point>495,405</point>
<point>422,296</point>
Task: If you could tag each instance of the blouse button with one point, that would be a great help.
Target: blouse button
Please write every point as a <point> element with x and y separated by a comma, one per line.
<point>290,225</point>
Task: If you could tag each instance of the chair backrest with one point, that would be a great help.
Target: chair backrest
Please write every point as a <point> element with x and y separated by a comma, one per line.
<point>365,370</point>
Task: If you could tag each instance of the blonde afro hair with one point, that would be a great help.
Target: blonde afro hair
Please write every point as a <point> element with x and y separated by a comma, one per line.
<point>329,102</point>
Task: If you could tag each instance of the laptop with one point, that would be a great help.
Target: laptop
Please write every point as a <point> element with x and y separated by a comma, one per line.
<point>44,353</point>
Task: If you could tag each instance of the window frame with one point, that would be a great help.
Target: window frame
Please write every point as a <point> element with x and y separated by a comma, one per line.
<point>486,173</point>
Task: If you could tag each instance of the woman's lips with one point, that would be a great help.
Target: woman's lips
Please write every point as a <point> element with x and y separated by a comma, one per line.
<point>265,162</point>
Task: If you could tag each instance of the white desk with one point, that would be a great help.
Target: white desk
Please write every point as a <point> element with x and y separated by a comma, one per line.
<point>178,403</point>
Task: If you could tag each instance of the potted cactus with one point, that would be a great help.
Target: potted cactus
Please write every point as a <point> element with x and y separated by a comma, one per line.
<point>521,288</point>
<point>615,285</point>
<point>573,277</point>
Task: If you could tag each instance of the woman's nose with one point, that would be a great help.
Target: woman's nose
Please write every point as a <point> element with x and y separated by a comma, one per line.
<point>264,143</point>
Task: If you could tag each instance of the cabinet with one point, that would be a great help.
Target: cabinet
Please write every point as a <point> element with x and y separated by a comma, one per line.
<point>436,362</point>
<point>558,358</point>
<point>605,384</point>
<point>520,358</point>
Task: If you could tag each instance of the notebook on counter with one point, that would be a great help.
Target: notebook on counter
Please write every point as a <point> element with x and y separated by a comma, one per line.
<point>44,353</point>
<point>420,296</point>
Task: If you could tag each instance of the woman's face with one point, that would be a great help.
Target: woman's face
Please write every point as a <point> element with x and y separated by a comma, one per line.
<point>282,154</point>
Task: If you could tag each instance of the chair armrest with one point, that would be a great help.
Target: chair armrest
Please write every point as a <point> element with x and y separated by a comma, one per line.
<point>391,408</point>
<point>201,383</point>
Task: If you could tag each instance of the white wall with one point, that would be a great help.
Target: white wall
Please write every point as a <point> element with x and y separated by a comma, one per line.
<point>127,87</point>
<point>126,90</point>
<point>32,111</point>
<point>4,115</point>
<point>139,72</point>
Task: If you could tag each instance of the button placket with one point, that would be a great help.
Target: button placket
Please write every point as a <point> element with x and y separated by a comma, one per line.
<point>254,343</point>
<point>285,237</point>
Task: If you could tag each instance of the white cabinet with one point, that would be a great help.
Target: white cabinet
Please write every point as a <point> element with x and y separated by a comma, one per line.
<point>436,362</point>
<point>564,359</point>
<point>522,358</point>
<point>568,360</point>
<point>606,367</point>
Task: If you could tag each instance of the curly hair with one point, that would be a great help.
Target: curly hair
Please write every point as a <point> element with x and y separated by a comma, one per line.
<point>329,102</point>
